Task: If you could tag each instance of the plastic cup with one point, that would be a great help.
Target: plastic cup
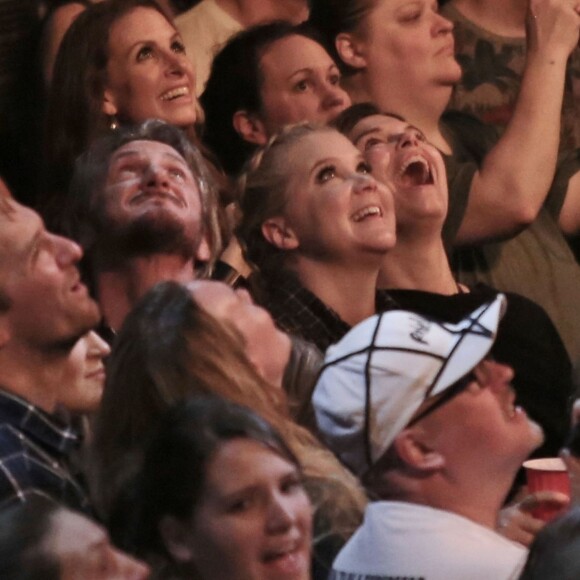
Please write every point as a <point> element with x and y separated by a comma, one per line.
<point>547,474</point>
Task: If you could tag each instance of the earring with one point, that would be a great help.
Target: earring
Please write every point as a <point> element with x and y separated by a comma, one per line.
<point>114,124</point>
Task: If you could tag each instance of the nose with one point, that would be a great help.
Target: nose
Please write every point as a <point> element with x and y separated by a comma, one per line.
<point>498,375</point>
<point>67,251</point>
<point>244,295</point>
<point>155,177</point>
<point>99,348</point>
<point>280,515</point>
<point>334,97</point>
<point>363,183</point>
<point>442,25</point>
<point>410,138</point>
<point>129,568</point>
<point>176,63</point>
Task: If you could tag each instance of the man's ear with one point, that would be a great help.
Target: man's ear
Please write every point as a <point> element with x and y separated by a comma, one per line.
<point>412,448</point>
<point>280,234</point>
<point>109,106</point>
<point>250,127</point>
<point>350,50</point>
<point>177,537</point>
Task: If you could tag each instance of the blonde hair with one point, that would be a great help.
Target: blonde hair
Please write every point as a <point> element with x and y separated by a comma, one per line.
<point>264,193</point>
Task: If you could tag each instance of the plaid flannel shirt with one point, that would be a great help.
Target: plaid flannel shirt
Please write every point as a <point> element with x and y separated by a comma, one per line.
<point>298,311</point>
<point>34,449</point>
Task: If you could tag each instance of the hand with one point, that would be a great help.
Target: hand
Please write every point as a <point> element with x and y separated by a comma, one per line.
<point>517,523</point>
<point>553,27</point>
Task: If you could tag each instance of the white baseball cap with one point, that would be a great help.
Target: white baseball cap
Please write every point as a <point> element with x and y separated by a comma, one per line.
<point>379,374</point>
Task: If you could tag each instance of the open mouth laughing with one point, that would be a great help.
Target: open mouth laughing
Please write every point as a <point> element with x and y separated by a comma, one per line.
<point>415,172</point>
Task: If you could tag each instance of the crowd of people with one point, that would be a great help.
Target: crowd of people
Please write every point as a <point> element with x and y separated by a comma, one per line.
<point>289,289</point>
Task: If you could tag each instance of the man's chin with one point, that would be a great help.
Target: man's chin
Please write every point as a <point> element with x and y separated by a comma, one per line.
<point>159,233</point>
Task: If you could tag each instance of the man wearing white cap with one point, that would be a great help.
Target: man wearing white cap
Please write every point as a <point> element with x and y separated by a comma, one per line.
<point>416,409</point>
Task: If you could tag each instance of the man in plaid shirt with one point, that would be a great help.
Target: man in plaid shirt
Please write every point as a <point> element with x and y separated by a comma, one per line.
<point>44,310</point>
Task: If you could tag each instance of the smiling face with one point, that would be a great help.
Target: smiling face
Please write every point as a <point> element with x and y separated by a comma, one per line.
<point>401,157</point>
<point>255,525</point>
<point>84,380</point>
<point>300,83</point>
<point>481,428</point>
<point>148,74</point>
<point>49,305</point>
<point>407,48</point>
<point>267,347</point>
<point>335,209</point>
<point>149,182</point>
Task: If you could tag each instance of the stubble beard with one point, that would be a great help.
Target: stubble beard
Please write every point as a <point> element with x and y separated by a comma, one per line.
<point>160,232</point>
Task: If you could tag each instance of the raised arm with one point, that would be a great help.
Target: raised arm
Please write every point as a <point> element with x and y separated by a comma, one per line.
<point>511,185</point>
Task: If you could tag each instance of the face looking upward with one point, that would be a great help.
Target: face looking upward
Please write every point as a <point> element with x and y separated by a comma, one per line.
<point>148,74</point>
<point>266,347</point>
<point>84,550</point>
<point>401,157</point>
<point>300,82</point>
<point>405,48</point>
<point>253,520</point>
<point>335,209</point>
<point>50,306</point>
<point>481,428</point>
<point>150,181</point>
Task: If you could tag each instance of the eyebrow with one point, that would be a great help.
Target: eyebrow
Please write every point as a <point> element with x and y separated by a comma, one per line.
<point>373,130</point>
<point>334,161</point>
<point>311,70</point>
<point>140,155</point>
<point>175,35</point>
<point>324,161</point>
<point>370,131</point>
<point>306,69</point>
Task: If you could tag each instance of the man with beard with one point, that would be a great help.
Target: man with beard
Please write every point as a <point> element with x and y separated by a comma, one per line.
<point>143,208</point>
<point>44,310</point>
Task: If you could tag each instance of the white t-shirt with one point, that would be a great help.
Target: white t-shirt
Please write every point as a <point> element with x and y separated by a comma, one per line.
<point>205,28</point>
<point>405,541</point>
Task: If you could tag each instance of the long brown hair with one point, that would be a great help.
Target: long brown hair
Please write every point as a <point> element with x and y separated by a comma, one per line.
<point>75,116</point>
<point>170,349</point>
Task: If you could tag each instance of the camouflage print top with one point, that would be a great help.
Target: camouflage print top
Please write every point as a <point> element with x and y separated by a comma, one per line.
<point>492,70</point>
